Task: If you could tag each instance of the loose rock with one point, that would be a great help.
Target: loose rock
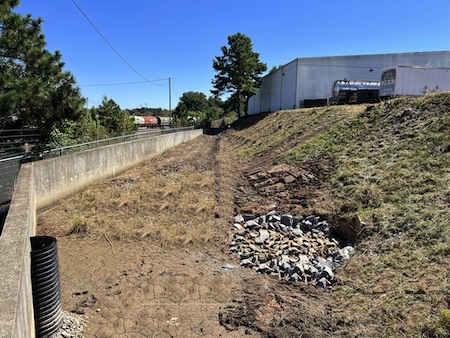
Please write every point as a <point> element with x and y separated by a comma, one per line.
<point>72,326</point>
<point>292,247</point>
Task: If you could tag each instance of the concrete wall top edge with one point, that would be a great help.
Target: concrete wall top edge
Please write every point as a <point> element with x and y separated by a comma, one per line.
<point>14,253</point>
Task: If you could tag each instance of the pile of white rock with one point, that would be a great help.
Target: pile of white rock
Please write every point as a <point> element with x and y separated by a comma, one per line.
<point>72,326</point>
<point>294,248</point>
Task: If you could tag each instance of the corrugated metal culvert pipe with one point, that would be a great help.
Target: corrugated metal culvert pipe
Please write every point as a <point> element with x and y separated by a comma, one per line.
<point>45,284</point>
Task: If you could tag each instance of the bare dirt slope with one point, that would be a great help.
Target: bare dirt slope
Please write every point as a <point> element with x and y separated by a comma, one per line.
<point>129,278</point>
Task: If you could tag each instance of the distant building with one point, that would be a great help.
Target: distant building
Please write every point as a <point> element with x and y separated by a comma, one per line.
<point>309,81</point>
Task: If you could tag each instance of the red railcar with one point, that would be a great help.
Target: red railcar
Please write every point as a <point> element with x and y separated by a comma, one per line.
<point>147,121</point>
<point>152,121</point>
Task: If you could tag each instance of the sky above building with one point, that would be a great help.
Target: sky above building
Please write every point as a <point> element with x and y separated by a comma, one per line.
<point>128,50</point>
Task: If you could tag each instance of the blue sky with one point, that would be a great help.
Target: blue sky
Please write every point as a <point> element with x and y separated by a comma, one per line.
<point>179,39</point>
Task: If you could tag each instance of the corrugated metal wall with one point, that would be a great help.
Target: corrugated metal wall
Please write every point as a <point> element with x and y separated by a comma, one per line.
<point>312,78</point>
<point>289,86</point>
<point>266,87</point>
<point>275,90</point>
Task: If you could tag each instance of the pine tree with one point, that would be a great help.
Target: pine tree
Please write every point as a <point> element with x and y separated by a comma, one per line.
<point>114,119</point>
<point>33,84</point>
<point>238,71</point>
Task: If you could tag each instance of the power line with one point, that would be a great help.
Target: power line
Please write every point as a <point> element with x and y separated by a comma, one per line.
<point>109,44</point>
<point>126,83</point>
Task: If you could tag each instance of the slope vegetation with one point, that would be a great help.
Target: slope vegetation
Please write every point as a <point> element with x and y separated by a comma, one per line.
<point>386,166</point>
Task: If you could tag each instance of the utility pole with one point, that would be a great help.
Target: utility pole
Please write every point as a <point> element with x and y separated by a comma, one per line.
<point>170,98</point>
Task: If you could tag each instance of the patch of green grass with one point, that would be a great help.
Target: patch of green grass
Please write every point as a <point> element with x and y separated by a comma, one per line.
<point>79,227</point>
<point>395,175</point>
<point>328,141</point>
<point>282,126</point>
<point>439,327</point>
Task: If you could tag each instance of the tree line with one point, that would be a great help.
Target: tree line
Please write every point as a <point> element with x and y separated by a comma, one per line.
<point>37,91</point>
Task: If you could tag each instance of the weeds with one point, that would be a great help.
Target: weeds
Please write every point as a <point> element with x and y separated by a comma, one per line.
<point>439,327</point>
<point>79,227</point>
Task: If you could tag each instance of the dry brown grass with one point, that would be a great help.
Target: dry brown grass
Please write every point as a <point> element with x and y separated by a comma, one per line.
<point>167,208</point>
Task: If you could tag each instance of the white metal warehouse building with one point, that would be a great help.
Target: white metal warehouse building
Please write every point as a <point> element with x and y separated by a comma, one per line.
<point>312,78</point>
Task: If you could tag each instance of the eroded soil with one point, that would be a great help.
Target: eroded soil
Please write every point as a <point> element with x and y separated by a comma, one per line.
<point>138,287</point>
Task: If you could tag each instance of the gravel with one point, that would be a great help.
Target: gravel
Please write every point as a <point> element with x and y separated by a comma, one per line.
<point>72,327</point>
<point>294,248</point>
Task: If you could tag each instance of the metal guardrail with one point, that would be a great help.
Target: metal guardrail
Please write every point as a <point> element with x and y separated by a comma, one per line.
<point>141,134</point>
<point>11,140</point>
<point>10,166</point>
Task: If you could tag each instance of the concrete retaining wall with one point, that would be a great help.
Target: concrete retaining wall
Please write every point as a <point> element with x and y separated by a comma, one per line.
<point>57,177</point>
<point>40,184</point>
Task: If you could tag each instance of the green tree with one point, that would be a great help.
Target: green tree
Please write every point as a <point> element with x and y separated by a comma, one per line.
<point>87,128</point>
<point>191,101</point>
<point>114,119</point>
<point>238,71</point>
<point>196,105</point>
<point>33,84</point>
<point>215,110</point>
